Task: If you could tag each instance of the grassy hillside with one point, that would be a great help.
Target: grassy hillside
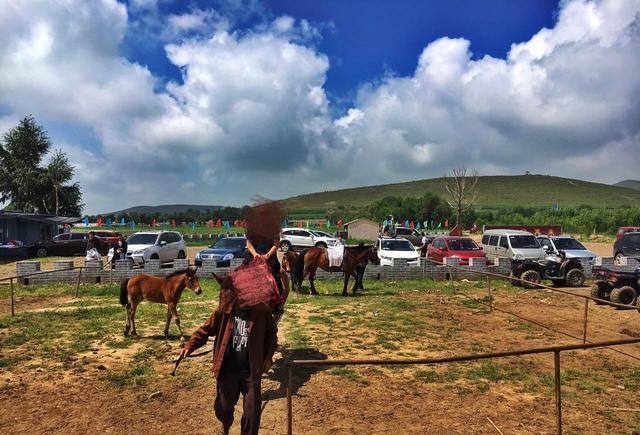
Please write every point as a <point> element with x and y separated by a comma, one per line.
<point>630,184</point>
<point>166,209</point>
<point>494,192</point>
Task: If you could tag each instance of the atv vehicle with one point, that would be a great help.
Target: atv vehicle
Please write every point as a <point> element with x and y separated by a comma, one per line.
<point>617,286</point>
<point>558,268</point>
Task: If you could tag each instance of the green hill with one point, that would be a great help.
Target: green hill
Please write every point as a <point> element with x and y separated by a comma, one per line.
<point>630,184</point>
<point>165,209</point>
<point>494,192</point>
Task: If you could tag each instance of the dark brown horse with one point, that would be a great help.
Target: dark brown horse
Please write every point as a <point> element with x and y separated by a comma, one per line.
<point>355,257</point>
<point>164,290</point>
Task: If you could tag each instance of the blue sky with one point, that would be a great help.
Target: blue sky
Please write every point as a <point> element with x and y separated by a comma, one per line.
<point>215,102</point>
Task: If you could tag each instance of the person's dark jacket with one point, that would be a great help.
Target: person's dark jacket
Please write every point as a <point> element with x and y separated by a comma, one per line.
<point>94,243</point>
<point>120,255</point>
<point>262,339</point>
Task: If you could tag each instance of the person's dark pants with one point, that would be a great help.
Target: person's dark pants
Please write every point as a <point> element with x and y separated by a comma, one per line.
<point>229,386</point>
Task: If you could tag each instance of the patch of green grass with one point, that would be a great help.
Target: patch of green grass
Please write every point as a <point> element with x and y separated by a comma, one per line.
<point>428,375</point>
<point>9,361</point>
<point>137,375</point>
<point>348,373</point>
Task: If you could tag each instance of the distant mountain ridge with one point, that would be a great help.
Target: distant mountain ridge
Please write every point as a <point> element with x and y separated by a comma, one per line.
<point>165,209</point>
<point>629,184</point>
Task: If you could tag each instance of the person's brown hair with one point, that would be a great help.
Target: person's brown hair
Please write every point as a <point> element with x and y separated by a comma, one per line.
<point>263,221</point>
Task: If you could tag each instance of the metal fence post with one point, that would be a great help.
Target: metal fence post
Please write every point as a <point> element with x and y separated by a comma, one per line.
<point>289,392</point>
<point>586,313</point>
<point>13,300</point>
<point>556,364</point>
<point>78,283</point>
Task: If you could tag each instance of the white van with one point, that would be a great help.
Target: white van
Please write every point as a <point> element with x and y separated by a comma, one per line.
<point>513,244</point>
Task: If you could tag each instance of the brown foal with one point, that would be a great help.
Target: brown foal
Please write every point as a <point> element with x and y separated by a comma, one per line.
<point>163,290</point>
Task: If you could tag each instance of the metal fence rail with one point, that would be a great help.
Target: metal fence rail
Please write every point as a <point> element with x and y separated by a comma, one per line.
<point>462,358</point>
<point>11,279</point>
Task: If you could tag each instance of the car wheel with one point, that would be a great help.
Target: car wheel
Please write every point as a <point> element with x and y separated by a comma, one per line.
<point>617,259</point>
<point>321,245</point>
<point>531,278</point>
<point>625,295</point>
<point>154,257</point>
<point>181,255</point>
<point>285,246</point>
<point>41,252</point>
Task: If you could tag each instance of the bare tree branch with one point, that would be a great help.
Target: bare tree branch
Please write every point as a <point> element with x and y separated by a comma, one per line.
<point>461,190</point>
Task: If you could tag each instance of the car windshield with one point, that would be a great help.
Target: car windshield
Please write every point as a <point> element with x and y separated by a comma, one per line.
<point>142,239</point>
<point>569,244</point>
<point>321,234</point>
<point>462,245</point>
<point>523,242</point>
<point>397,245</point>
<point>228,243</point>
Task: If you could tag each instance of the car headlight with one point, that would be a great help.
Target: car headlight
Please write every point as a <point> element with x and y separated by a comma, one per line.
<point>140,252</point>
<point>519,257</point>
<point>198,256</point>
<point>229,256</point>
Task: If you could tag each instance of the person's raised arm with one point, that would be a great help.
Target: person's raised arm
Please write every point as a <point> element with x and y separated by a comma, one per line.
<point>251,249</point>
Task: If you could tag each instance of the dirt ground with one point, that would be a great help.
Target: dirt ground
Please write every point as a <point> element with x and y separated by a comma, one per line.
<point>391,320</point>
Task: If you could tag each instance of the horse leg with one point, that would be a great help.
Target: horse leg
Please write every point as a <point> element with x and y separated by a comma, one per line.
<point>346,283</point>
<point>176,318</point>
<point>356,286</point>
<point>312,277</point>
<point>127,325</point>
<point>285,285</point>
<point>166,325</point>
<point>132,316</point>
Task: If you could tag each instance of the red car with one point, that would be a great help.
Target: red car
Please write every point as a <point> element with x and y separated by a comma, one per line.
<point>455,247</point>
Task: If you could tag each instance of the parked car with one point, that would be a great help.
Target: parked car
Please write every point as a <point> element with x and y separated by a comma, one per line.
<point>463,248</point>
<point>68,244</point>
<point>392,248</point>
<point>155,245</point>
<point>624,230</point>
<point>223,251</point>
<point>571,247</point>
<point>513,244</point>
<point>300,238</point>
<point>627,246</point>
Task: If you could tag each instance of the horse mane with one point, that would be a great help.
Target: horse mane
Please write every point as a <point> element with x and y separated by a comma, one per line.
<point>177,272</point>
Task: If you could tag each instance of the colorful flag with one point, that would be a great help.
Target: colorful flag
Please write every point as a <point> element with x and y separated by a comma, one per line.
<point>418,226</point>
<point>153,222</point>
<point>122,222</point>
<point>218,223</point>
<point>439,224</point>
<point>300,224</point>
<point>210,223</point>
<point>340,223</point>
<point>173,223</point>
<point>193,227</point>
<point>446,223</point>
<point>412,225</point>
<point>406,223</point>
<point>85,220</point>
<point>99,221</point>
<point>108,222</point>
<point>328,223</point>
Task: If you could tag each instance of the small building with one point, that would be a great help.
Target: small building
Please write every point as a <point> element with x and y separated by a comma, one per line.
<point>29,228</point>
<point>362,229</point>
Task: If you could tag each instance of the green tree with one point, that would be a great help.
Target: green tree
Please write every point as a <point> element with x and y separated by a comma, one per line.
<point>28,185</point>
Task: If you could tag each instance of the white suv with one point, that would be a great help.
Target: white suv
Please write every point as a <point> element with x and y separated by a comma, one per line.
<point>302,238</point>
<point>155,245</point>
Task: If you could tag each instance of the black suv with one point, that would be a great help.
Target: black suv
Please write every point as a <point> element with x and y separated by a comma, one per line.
<point>627,246</point>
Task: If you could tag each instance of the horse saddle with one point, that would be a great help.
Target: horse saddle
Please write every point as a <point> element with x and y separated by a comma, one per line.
<point>336,255</point>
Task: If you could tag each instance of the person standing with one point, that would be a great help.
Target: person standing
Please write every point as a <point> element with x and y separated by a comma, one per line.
<point>119,250</point>
<point>245,341</point>
<point>263,239</point>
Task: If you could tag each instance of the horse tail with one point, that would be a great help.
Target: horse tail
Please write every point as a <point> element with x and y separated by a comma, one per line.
<point>124,296</point>
<point>298,270</point>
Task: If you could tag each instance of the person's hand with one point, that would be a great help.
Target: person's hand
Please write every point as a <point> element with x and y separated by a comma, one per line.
<point>266,366</point>
<point>184,352</point>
